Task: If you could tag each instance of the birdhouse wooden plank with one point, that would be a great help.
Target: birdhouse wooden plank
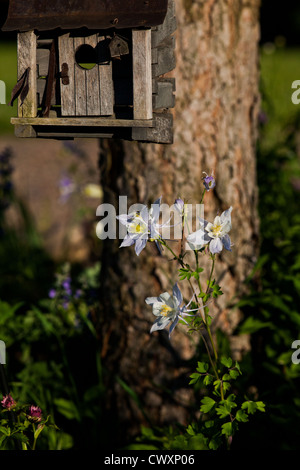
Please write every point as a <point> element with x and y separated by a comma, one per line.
<point>89,69</point>
<point>142,78</point>
<point>26,47</point>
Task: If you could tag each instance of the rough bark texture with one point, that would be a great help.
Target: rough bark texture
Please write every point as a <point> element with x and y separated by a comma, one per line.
<point>215,129</point>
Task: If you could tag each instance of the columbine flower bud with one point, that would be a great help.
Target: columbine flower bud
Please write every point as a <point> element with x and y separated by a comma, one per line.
<point>209,182</point>
<point>179,205</point>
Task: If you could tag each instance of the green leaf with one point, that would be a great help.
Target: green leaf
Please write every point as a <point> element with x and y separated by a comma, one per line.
<point>223,411</point>
<point>208,379</point>
<point>190,430</point>
<point>226,386</point>
<point>199,270</point>
<point>237,366</point>
<point>207,404</point>
<point>225,407</point>
<point>38,431</point>
<point>227,429</point>
<point>184,273</point>
<point>241,416</point>
<point>21,437</point>
<point>251,325</point>
<point>209,424</point>
<point>202,367</point>
<point>226,361</point>
<point>260,406</point>
<point>233,373</point>
<point>67,408</point>
<point>194,378</point>
<point>214,444</point>
<point>226,377</point>
<point>250,406</point>
<point>217,384</point>
<point>5,431</point>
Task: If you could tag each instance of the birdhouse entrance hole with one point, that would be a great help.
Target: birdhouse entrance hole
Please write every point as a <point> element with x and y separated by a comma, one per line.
<point>86,57</point>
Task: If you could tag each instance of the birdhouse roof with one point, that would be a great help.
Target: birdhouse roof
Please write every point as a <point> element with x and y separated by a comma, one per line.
<point>45,15</point>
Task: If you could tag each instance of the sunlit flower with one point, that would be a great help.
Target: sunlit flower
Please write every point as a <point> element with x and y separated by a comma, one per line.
<point>215,234</point>
<point>137,229</point>
<point>167,308</point>
<point>8,402</point>
<point>142,226</point>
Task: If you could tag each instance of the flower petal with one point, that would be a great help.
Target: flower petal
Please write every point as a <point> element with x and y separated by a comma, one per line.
<point>156,209</point>
<point>144,214</point>
<point>140,245</point>
<point>226,215</point>
<point>215,245</point>
<point>165,297</point>
<point>151,300</point>
<point>226,242</point>
<point>160,323</point>
<point>173,326</point>
<point>128,241</point>
<point>177,294</point>
<point>123,218</point>
<point>198,238</point>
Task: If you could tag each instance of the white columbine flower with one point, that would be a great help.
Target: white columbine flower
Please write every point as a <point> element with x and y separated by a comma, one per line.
<point>215,234</point>
<point>167,309</point>
<point>141,226</point>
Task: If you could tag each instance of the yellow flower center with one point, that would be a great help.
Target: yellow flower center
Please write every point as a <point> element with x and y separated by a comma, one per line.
<point>137,226</point>
<point>216,230</point>
<point>165,310</point>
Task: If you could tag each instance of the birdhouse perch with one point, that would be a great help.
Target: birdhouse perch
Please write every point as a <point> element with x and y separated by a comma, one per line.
<point>94,69</point>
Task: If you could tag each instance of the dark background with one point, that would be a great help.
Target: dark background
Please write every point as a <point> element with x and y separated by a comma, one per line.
<point>280,19</point>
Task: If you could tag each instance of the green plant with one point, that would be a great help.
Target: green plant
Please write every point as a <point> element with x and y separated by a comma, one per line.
<point>221,411</point>
<point>21,425</point>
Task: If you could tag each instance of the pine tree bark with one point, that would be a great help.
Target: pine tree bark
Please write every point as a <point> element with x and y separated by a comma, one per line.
<point>215,129</point>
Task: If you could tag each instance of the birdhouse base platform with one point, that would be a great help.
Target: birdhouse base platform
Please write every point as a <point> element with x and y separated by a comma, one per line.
<point>156,129</point>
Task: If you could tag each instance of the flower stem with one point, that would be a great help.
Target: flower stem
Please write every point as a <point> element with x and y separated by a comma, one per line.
<point>202,197</point>
<point>213,256</point>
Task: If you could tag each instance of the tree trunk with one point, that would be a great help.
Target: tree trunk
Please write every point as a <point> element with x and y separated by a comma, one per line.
<point>215,129</point>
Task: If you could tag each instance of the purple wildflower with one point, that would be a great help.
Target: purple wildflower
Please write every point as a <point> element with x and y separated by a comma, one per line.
<point>8,402</point>
<point>52,293</point>
<point>209,182</point>
<point>35,413</point>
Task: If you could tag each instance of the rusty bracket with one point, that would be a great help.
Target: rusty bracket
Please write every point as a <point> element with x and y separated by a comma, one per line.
<point>65,74</point>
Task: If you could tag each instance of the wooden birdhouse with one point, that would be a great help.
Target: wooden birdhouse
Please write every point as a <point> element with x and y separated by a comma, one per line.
<point>94,69</point>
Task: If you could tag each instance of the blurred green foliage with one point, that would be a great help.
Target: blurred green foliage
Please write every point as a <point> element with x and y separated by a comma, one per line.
<point>8,74</point>
<point>271,311</point>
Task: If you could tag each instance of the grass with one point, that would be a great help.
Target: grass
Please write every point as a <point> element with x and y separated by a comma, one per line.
<point>279,68</point>
<point>8,74</point>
